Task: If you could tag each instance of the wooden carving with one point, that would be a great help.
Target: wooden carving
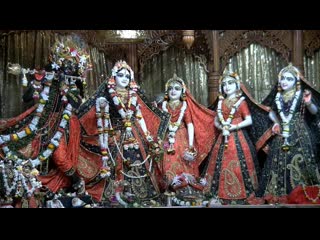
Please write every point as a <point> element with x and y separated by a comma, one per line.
<point>233,41</point>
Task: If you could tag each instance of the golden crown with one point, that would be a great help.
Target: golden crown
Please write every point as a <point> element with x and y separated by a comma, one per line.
<point>122,65</point>
<point>175,78</point>
<point>291,69</point>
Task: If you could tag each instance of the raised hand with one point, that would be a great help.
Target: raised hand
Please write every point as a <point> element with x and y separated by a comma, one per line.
<point>307,97</point>
<point>276,128</point>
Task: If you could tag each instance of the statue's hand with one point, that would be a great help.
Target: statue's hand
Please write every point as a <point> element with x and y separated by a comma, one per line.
<point>307,97</point>
<point>276,128</point>
<point>232,127</point>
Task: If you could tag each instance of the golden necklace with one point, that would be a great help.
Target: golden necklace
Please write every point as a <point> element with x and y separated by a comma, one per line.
<point>174,104</point>
<point>123,95</point>
<point>287,96</point>
<point>230,102</point>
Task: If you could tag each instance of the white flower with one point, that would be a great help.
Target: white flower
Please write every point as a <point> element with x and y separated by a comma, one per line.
<point>55,66</point>
<point>176,181</point>
<point>74,53</point>
<point>203,182</point>
<point>83,59</point>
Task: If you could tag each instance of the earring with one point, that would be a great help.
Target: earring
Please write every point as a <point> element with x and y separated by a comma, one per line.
<point>279,88</point>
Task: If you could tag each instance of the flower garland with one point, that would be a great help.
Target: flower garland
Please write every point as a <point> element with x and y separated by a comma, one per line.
<point>32,127</point>
<point>226,123</point>
<point>126,114</point>
<point>174,126</point>
<point>64,53</point>
<point>203,203</point>
<point>54,142</point>
<point>286,119</point>
<point>19,180</point>
<point>104,126</point>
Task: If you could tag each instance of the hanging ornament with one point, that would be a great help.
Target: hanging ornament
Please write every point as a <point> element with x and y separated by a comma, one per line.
<point>188,38</point>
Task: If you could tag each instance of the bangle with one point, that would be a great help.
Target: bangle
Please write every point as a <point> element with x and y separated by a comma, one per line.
<point>147,133</point>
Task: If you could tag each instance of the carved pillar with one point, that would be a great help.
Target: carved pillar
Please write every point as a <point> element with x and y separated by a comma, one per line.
<point>133,59</point>
<point>298,50</point>
<point>214,74</point>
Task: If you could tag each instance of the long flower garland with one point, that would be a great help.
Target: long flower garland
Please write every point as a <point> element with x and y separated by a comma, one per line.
<point>286,119</point>
<point>226,123</point>
<point>126,114</point>
<point>32,127</point>
<point>104,126</point>
<point>54,142</point>
<point>19,183</point>
<point>174,126</point>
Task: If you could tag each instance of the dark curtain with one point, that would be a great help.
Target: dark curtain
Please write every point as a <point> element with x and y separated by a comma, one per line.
<point>312,69</point>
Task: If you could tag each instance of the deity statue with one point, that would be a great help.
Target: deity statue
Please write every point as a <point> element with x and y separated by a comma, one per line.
<point>187,143</point>
<point>293,157</point>
<point>231,170</point>
<point>120,130</point>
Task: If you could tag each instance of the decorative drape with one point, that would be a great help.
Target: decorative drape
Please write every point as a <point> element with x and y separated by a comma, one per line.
<point>312,69</point>
<point>258,68</point>
<point>187,66</point>
<point>31,49</point>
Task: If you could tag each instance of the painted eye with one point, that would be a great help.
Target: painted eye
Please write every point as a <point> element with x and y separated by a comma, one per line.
<point>120,74</point>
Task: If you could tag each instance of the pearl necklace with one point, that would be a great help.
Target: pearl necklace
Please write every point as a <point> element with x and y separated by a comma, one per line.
<point>173,127</point>
<point>286,119</point>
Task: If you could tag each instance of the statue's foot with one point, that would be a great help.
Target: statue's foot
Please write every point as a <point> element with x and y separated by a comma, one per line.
<point>79,186</point>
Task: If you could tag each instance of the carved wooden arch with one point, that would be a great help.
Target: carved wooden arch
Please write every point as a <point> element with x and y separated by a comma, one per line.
<point>155,42</point>
<point>311,42</point>
<point>158,41</point>
<point>232,42</point>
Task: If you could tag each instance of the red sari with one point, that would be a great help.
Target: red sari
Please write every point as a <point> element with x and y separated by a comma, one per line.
<point>174,164</point>
<point>204,136</point>
<point>149,185</point>
<point>231,172</point>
